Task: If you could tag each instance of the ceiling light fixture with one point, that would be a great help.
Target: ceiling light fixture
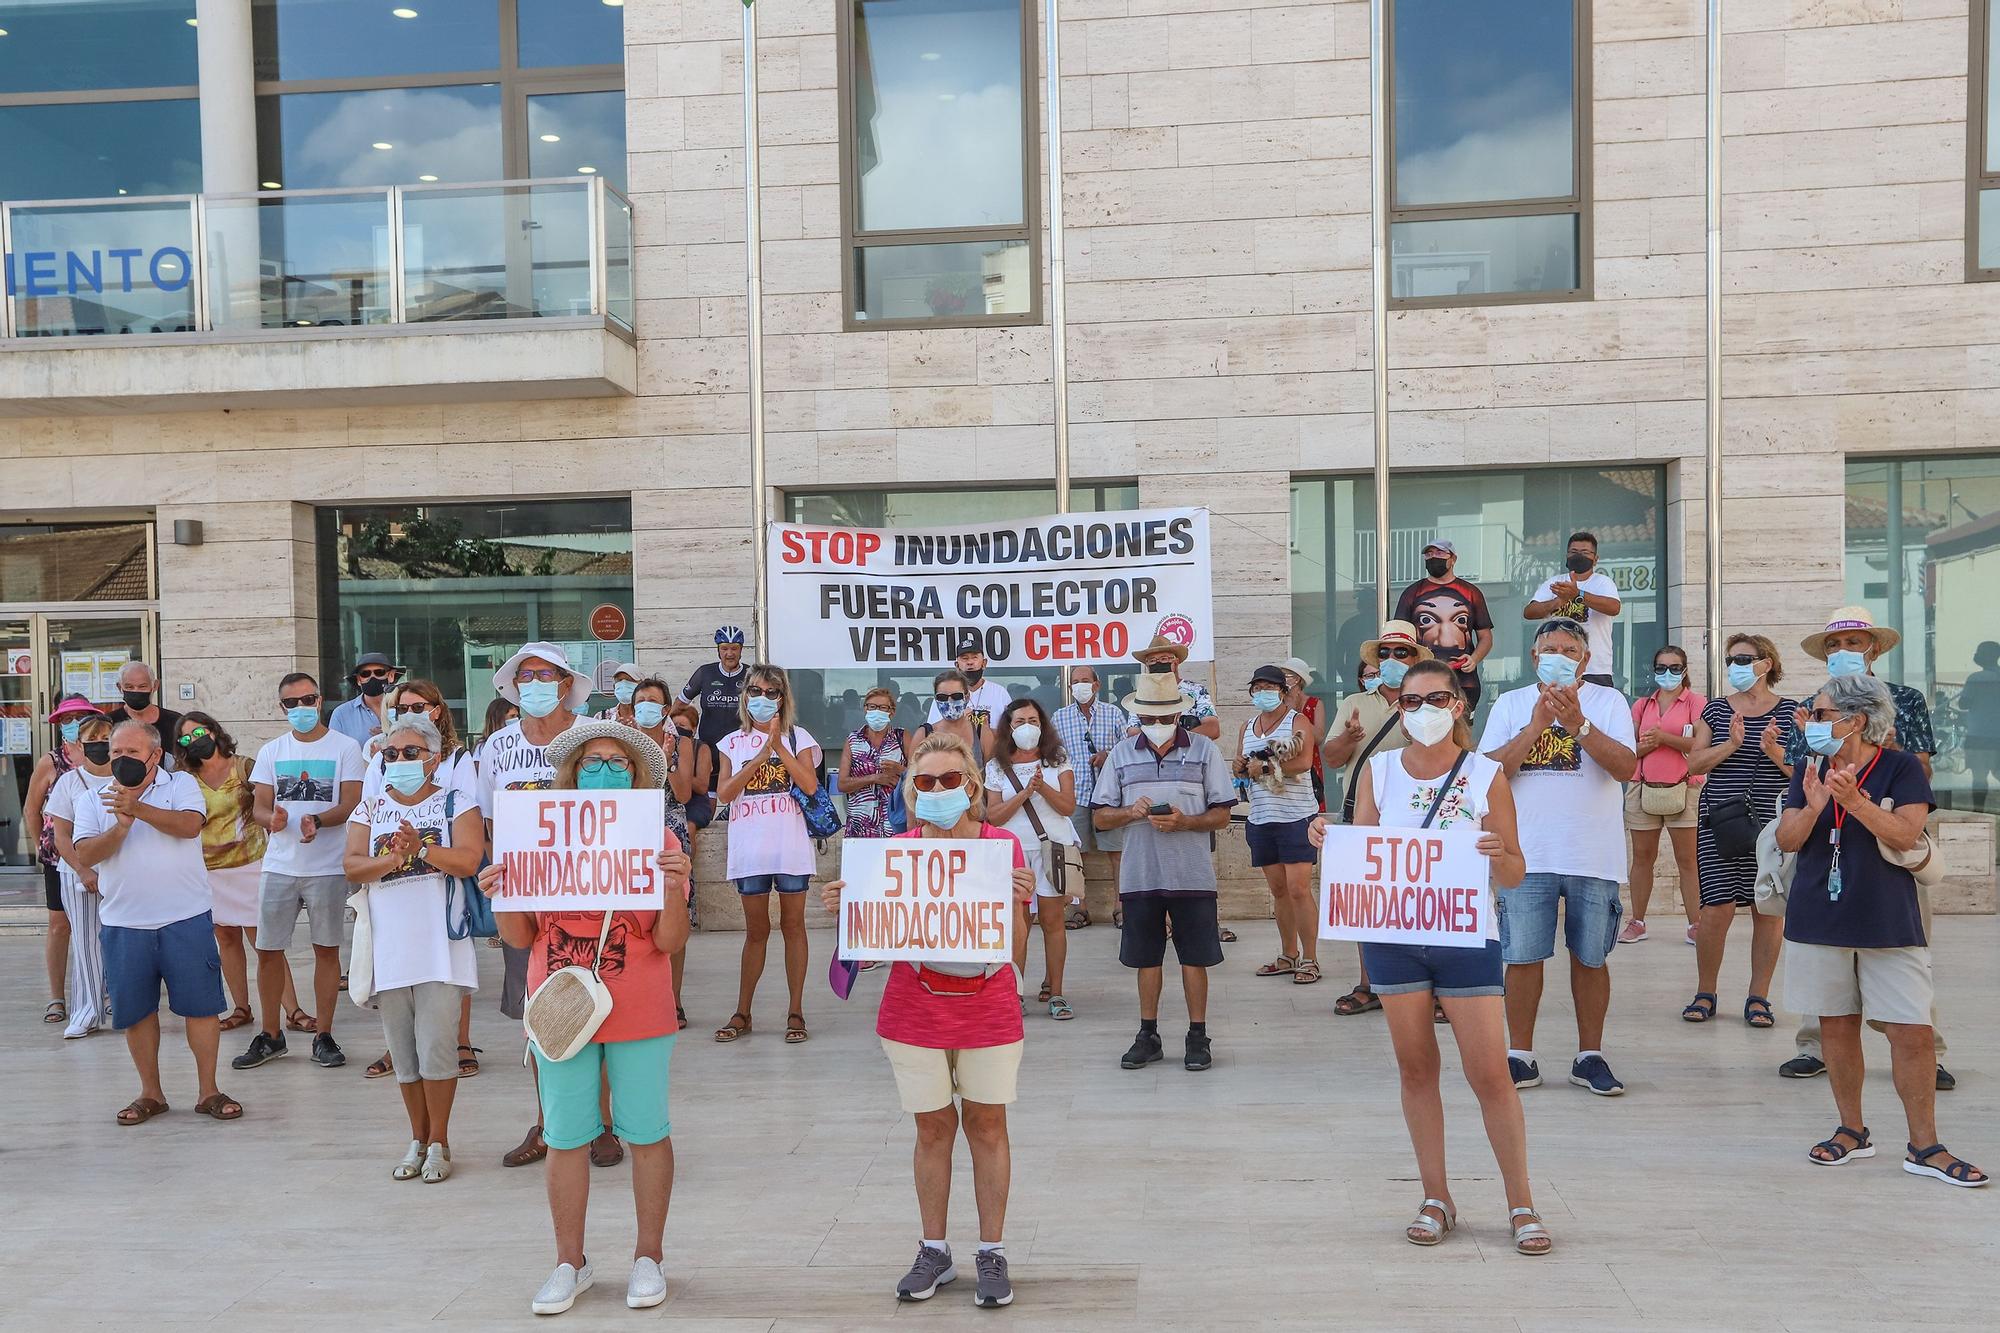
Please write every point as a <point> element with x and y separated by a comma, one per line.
<point>404,13</point>
<point>930,55</point>
<point>384,147</point>
<point>273,185</point>
<point>587,171</point>
<point>194,23</point>
<point>614,3</point>
<point>3,32</point>
<point>427,178</point>
<point>551,138</point>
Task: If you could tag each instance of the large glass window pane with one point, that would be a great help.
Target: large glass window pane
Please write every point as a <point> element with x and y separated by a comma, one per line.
<point>95,150</point>
<point>1992,93</point>
<point>1333,579</point>
<point>102,268</point>
<point>393,136</point>
<point>1923,555</point>
<point>75,45</point>
<point>1473,256</point>
<point>571,134</point>
<point>304,260</point>
<point>937,113</point>
<point>1989,228</point>
<point>1485,100</point>
<point>337,39</point>
<point>75,562</point>
<point>450,591</point>
<point>962,279</point>
<point>571,32</point>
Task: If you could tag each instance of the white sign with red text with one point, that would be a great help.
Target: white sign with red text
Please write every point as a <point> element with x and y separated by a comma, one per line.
<point>931,900</point>
<point>1405,886</point>
<point>580,851</point>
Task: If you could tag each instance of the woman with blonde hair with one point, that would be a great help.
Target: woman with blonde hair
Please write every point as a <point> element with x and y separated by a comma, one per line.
<point>954,1030</point>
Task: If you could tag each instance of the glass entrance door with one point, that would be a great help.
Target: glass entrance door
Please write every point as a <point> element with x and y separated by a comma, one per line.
<point>17,732</point>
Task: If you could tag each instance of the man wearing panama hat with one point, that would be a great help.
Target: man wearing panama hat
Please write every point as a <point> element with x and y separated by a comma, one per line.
<point>1849,645</point>
<point>1165,657</point>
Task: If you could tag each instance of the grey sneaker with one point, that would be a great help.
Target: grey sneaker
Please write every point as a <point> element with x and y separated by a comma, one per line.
<point>562,1289</point>
<point>993,1289</point>
<point>931,1270</point>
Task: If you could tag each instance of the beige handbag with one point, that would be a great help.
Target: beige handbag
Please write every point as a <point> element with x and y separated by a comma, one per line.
<point>569,1006</point>
<point>1666,799</point>
<point>361,958</point>
<point>1926,867</point>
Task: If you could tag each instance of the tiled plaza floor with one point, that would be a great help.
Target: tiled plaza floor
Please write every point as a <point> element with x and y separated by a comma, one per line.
<point>1268,1192</point>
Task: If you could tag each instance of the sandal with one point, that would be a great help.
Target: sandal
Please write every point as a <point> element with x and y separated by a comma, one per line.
<point>1757,1012</point>
<point>1307,973</point>
<point>381,1068</point>
<point>298,1020</point>
<point>532,1149</point>
<point>1437,1011</point>
<point>1959,1173</point>
<point>1044,994</point>
<point>1281,966</point>
<point>606,1150</point>
<point>1076,918</point>
<point>1118,918</point>
<point>1837,1152</point>
<point>236,1018</point>
<point>55,1011</point>
<point>732,1030</point>
<point>795,1032</point>
<point>1059,1009</point>
<point>1530,1237</point>
<point>222,1106</point>
<point>468,1061</point>
<point>1227,935</point>
<point>1360,1000</point>
<point>1427,1230</point>
<point>140,1111</point>
<point>1697,1011</point>
<point>680,1017</point>
<point>343,981</point>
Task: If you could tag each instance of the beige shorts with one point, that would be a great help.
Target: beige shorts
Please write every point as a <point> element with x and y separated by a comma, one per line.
<point>927,1078</point>
<point>1635,818</point>
<point>1885,985</point>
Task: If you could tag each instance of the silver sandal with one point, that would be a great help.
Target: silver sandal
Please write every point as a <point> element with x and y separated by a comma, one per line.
<point>1529,1231</point>
<point>1434,1230</point>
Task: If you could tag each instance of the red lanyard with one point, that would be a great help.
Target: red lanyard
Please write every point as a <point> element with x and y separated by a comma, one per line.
<point>1839,810</point>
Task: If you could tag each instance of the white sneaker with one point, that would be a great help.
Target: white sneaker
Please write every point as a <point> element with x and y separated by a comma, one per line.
<point>412,1163</point>
<point>1691,930</point>
<point>562,1289</point>
<point>647,1286</point>
<point>437,1164</point>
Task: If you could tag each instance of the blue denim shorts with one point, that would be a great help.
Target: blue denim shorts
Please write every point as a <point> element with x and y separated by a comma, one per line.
<point>755,886</point>
<point>181,956</point>
<point>1590,918</point>
<point>1406,969</point>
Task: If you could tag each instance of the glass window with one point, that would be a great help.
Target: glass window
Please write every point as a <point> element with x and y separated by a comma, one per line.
<point>571,32</point>
<point>75,562</point>
<point>937,107</point>
<point>103,268</point>
<point>571,134</point>
<point>1489,106</point>
<point>1982,224</point>
<point>450,591</point>
<point>1333,578</point>
<point>97,150</point>
<point>77,45</point>
<point>1923,555</point>
<point>334,39</point>
<point>391,136</point>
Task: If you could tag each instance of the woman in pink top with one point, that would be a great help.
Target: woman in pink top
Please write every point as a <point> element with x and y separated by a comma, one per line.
<point>954,1028</point>
<point>633,1048</point>
<point>1664,722</point>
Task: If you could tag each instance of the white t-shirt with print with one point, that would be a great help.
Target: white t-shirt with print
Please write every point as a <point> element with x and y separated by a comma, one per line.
<point>154,879</point>
<point>767,830</point>
<point>409,908</point>
<point>509,761</point>
<point>1571,813</point>
<point>305,777</point>
<point>1595,624</point>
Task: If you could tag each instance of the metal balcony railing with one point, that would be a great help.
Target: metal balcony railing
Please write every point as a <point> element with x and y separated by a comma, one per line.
<point>328,259</point>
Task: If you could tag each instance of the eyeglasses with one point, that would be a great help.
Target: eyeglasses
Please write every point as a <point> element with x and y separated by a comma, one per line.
<point>1400,654</point>
<point>407,752</point>
<point>302,701</point>
<point>951,698</point>
<point>193,736</point>
<point>526,674</point>
<point>1741,659</point>
<point>600,764</point>
<point>932,781</point>
<point>759,692</point>
<point>374,673</point>
<point>1410,703</point>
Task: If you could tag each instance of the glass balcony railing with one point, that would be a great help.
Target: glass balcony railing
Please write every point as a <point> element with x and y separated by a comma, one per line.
<point>339,258</point>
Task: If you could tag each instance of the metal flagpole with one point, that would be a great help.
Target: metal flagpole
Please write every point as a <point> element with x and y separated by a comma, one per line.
<point>1379,303</point>
<point>753,239</point>
<point>1058,292</point>
<point>1713,347</point>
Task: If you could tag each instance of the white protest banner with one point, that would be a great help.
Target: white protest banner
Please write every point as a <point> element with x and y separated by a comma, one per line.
<point>933,900</point>
<point>1405,886</point>
<point>1026,592</point>
<point>579,851</point>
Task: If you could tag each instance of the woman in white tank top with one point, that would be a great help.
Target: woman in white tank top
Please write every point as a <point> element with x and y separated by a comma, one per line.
<point>1438,781</point>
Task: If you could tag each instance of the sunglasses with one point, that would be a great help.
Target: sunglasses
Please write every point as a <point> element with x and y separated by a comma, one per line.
<point>1400,654</point>
<point>1826,715</point>
<point>1672,666</point>
<point>411,710</point>
<point>950,698</point>
<point>759,692</point>
<point>192,736</point>
<point>302,701</point>
<point>600,764</point>
<point>407,752</point>
<point>1410,703</point>
<point>1741,659</point>
<point>932,781</point>
<point>374,673</point>
<point>545,674</point>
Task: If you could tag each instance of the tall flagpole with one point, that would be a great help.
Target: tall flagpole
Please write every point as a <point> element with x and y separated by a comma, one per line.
<point>753,240</point>
<point>1058,286</point>
<point>1712,348</point>
<point>1378,136</point>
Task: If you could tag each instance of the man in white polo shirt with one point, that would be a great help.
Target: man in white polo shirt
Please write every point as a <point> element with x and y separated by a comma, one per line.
<point>143,837</point>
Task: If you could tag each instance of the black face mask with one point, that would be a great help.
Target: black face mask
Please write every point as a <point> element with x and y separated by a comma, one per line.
<point>137,700</point>
<point>1578,563</point>
<point>127,771</point>
<point>1435,567</point>
<point>374,687</point>
<point>201,749</point>
<point>97,752</point>
<point>1159,668</point>
<point>974,677</point>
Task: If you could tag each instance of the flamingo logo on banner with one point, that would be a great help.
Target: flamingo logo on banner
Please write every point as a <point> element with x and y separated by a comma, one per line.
<point>1406,886</point>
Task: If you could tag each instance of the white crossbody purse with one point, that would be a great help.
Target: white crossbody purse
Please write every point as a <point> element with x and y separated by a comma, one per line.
<point>570,1005</point>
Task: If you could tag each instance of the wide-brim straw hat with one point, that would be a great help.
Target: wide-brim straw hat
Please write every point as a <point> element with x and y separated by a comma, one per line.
<point>1397,633</point>
<point>581,733</point>
<point>1162,644</point>
<point>1158,692</point>
<point>1850,618</point>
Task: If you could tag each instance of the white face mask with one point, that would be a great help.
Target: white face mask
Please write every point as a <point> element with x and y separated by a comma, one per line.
<point>1429,724</point>
<point>1159,733</point>
<point>1080,691</point>
<point>1027,736</point>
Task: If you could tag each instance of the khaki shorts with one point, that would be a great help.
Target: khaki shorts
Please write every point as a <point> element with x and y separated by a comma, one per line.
<point>1635,818</point>
<point>927,1078</point>
<point>1885,985</point>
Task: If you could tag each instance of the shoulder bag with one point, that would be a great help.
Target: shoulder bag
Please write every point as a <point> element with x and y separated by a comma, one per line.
<point>474,918</point>
<point>822,820</point>
<point>1060,859</point>
<point>895,814</point>
<point>1665,799</point>
<point>1360,765</point>
<point>570,1005</point>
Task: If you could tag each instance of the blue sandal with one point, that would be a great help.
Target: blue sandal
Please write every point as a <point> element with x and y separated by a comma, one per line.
<point>1959,1173</point>
<point>1838,1152</point>
<point>1696,1012</point>
<point>1757,1012</point>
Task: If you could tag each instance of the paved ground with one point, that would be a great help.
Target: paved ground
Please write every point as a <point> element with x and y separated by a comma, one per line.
<point>1269,1192</point>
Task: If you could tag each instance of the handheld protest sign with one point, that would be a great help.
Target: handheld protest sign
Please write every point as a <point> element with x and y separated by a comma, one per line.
<point>1405,886</point>
<point>580,851</point>
<point>931,900</point>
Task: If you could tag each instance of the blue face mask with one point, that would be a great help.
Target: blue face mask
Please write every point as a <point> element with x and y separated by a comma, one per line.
<point>70,730</point>
<point>942,809</point>
<point>648,714</point>
<point>1393,672</point>
<point>623,690</point>
<point>761,709</point>
<point>1555,669</point>
<point>1742,677</point>
<point>1845,663</point>
<point>1821,740</point>
<point>539,697</point>
<point>1266,700</point>
<point>876,719</point>
<point>302,720</point>
<point>595,775</point>
<point>952,710</point>
<point>1669,680</point>
<point>405,775</point>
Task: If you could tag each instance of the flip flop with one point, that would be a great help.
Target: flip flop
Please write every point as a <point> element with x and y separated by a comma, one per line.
<point>140,1111</point>
<point>222,1106</point>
